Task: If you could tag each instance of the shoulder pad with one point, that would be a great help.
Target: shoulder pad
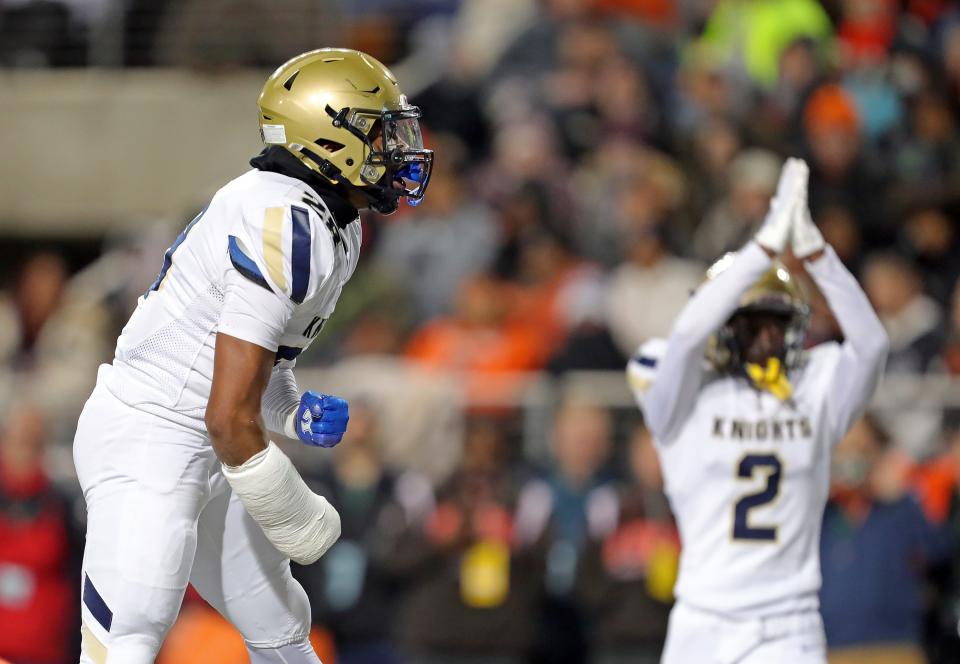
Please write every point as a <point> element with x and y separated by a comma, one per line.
<point>642,367</point>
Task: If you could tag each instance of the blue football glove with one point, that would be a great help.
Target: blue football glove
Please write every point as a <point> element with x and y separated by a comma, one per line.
<point>321,419</point>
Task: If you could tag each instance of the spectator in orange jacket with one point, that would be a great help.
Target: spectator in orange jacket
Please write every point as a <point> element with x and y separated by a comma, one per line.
<point>480,339</point>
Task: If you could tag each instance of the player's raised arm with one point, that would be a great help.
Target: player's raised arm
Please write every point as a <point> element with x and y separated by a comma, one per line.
<point>864,350</point>
<point>667,401</point>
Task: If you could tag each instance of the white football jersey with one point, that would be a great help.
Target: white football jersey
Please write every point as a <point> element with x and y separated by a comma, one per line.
<point>747,474</point>
<point>265,262</point>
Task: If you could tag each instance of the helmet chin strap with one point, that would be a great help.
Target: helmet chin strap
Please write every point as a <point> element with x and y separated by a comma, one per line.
<point>379,199</point>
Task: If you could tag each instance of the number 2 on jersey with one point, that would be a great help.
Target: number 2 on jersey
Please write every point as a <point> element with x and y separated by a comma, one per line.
<point>746,469</point>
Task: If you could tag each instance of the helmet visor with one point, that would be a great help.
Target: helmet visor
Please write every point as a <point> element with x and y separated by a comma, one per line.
<point>401,130</point>
<point>397,162</point>
<point>404,143</point>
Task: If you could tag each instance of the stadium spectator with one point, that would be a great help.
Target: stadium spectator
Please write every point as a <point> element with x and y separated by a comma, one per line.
<point>38,296</point>
<point>652,275</point>
<point>536,49</point>
<point>574,87</point>
<point>589,345</point>
<point>705,89</point>
<point>452,237</point>
<point>930,238</point>
<point>840,173</point>
<point>626,575</point>
<point>706,154</point>
<point>528,169</point>
<point>947,46</point>
<point>549,275</point>
<point>937,483</point>
<point>38,555</point>
<point>353,588</point>
<point>840,230</point>
<point>866,30</point>
<point>620,185</point>
<point>52,339</point>
<point>751,181</point>
<point>752,34</point>
<point>625,107</point>
<point>565,506</point>
<point>482,339</point>
<point>477,581</point>
<point>927,157</point>
<point>914,324</point>
<point>912,319</point>
<point>780,111</point>
<point>874,546</point>
<point>951,350</point>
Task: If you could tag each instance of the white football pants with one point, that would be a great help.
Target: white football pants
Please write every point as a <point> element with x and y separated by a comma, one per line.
<point>161,515</point>
<point>707,638</point>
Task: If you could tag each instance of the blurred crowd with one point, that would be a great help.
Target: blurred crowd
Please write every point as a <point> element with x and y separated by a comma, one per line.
<point>593,157</point>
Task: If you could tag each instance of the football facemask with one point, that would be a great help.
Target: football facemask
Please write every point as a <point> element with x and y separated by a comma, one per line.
<point>397,165</point>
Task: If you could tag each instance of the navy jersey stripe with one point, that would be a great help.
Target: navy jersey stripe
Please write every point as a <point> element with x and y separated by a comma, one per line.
<point>300,253</point>
<point>288,353</point>
<point>168,254</point>
<point>245,264</point>
<point>98,608</point>
<point>645,361</point>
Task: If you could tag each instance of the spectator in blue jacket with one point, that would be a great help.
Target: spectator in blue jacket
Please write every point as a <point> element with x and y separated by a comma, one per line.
<point>875,545</point>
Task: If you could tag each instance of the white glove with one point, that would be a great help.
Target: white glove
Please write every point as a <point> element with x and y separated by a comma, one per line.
<point>791,190</point>
<point>299,523</point>
<point>806,239</point>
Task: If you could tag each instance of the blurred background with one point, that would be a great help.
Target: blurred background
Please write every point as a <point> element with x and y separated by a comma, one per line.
<point>501,500</point>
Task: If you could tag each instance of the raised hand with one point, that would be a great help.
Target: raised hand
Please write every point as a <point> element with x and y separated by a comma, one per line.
<point>805,239</point>
<point>791,192</point>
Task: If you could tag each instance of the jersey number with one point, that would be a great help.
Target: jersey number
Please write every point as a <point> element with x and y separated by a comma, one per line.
<point>746,469</point>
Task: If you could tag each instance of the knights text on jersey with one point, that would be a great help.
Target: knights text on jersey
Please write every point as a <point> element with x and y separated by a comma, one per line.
<point>266,248</point>
<point>747,476</point>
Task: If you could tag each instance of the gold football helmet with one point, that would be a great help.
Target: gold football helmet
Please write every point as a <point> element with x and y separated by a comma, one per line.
<point>342,114</point>
<point>775,292</point>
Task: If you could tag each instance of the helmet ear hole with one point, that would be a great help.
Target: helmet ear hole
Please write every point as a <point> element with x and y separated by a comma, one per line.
<point>328,145</point>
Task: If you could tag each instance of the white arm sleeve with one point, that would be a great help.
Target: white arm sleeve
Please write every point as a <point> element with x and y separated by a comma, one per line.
<point>864,350</point>
<point>298,522</point>
<point>280,402</point>
<point>679,373</point>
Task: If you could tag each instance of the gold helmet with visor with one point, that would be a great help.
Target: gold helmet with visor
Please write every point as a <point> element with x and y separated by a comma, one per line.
<point>341,112</point>
<point>777,293</point>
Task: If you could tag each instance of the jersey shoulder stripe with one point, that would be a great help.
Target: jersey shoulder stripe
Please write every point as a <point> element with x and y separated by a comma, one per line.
<point>273,245</point>
<point>642,367</point>
<point>284,242</point>
<point>300,253</point>
<point>244,264</point>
